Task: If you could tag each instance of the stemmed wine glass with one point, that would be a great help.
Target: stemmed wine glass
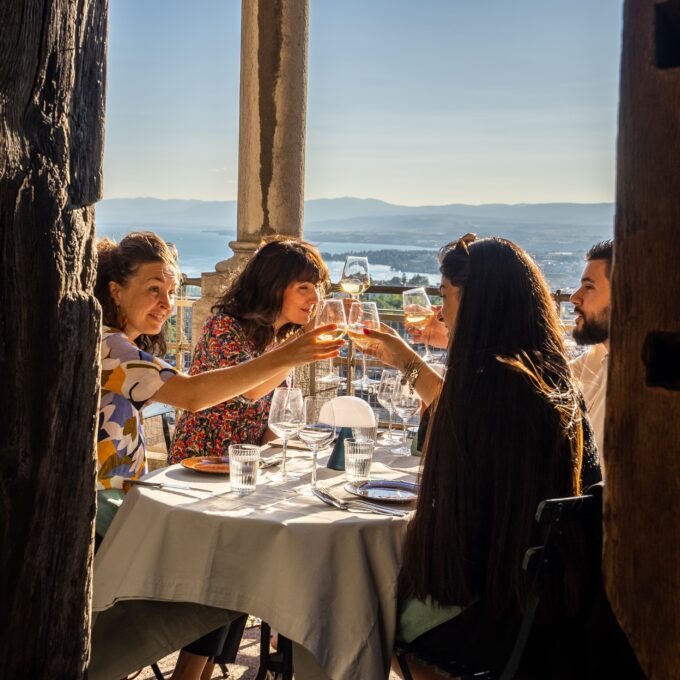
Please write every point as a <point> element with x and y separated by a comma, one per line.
<point>384,392</point>
<point>417,312</point>
<point>406,403</point>
<point>331,311</point>
<point>286,416</point>
<point>317,430</point>
<point>355,277</point>
<point>362,315</point>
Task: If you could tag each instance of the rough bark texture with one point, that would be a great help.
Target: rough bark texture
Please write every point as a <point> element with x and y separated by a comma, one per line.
<point>642,444</point>
<point>52,78</point>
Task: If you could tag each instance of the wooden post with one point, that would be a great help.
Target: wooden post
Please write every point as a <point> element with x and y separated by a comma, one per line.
<point>52,82</point>
<point>642,440</point>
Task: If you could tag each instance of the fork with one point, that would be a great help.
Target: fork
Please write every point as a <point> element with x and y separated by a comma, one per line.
<point>358,504</point>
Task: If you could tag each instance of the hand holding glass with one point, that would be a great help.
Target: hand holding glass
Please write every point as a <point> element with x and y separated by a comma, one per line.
<point>331,311</point>
<point>417,312</point>
<point>363,315</point>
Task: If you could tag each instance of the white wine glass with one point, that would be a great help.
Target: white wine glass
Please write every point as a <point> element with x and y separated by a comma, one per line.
<point>286,416</point>
<point>384,391</point>
<point>363,315</point>
<point>355,277</point>
<point>331,311</point>
<point>418,312</point>
<point>317,431</point>
<point>406,403</point>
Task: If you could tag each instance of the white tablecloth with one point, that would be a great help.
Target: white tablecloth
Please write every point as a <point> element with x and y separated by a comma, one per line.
<point>174,567</point>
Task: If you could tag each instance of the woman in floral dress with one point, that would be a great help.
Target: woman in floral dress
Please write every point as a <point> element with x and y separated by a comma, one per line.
<point>271,299</point>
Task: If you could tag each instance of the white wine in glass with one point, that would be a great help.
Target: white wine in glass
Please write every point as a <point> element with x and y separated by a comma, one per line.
<point>355,277</point>
<point>417,312</point>
<point>331,311</point>
<point>363,315</point>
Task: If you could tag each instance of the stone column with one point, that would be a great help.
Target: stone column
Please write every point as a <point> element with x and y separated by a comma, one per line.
<point>273,101</point>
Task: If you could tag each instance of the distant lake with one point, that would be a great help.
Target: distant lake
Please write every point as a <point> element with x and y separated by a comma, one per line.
<point>560,258</point>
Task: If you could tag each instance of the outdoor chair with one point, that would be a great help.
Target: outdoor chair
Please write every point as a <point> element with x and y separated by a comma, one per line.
<point>586,643</point>
<point>278,664</point>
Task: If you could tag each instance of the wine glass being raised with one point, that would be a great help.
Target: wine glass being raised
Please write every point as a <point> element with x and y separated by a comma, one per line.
<point>417,312</point>
<point>363,315</point>
<point>406,403</point>
<point>355,277</point>
<point>331,311</point>
<point>317,431</point>
<point>286,416</point>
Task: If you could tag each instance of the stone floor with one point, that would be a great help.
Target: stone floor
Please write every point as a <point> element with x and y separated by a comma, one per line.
<point>245,667</point>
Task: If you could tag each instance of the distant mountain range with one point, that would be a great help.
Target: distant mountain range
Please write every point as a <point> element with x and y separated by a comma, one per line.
<point>356,220</point>
<point>556,234</point>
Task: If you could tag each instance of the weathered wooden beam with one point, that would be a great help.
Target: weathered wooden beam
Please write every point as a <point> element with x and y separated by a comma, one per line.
<point>52,86</point>
<point>642,441</point>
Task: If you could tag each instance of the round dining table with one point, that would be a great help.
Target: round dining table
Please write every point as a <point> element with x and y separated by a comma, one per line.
<point>178,562</point>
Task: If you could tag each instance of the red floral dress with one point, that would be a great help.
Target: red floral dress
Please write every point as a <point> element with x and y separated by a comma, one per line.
<point>237,421</point>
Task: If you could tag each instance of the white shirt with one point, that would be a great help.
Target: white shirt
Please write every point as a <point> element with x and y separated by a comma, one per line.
<point>590,369</point>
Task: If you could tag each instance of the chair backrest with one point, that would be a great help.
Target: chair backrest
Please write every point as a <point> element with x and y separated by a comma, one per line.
<point>545,563</point>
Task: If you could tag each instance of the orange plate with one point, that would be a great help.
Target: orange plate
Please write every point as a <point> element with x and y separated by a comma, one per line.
<point>212,465</point>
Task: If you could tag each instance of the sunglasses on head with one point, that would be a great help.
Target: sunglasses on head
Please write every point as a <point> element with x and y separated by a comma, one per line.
<point>459,246</point>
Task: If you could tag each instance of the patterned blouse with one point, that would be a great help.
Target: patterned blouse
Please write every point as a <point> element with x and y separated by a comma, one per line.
<point>130,378</point>
<point>237,421</point>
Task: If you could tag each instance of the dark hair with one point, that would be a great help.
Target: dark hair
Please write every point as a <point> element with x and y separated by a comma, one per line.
<point>118,262</point>
<point>604,250</point>
<point>505,434</point>
<point>255,297</point>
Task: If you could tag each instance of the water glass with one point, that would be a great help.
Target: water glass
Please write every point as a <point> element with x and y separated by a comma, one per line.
<point>358,458</point>
<point>244,463</point>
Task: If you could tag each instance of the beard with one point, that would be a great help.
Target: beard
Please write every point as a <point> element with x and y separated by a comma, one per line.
<point>593,330</point>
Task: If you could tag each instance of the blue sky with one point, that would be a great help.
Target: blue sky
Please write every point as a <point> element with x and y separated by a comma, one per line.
<point>412,102</point>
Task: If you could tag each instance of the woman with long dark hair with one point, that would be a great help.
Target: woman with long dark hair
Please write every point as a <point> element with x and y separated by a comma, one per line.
<point>266,305</point>
<point>507,431</point>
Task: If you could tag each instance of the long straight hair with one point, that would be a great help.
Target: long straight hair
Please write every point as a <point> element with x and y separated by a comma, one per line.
<point>255,297</point>
<point>505,434</point>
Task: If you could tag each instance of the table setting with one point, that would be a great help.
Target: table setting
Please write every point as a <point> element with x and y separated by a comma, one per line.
<point>196,551</point>
<point>304,532</point>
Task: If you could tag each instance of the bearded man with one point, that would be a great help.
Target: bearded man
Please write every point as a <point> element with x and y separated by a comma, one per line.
<point>592,302</point>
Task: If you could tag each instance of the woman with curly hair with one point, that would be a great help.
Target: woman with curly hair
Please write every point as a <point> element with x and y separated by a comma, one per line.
<point>136,284</point>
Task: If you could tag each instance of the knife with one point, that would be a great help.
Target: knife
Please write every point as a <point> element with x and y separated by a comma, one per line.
<point>169,485</point>
<point>356,504</point>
